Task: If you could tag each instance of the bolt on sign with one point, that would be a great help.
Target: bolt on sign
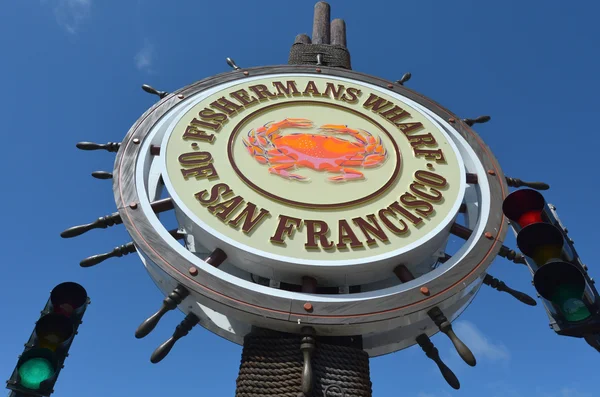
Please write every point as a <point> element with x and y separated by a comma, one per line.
<point>317,172</point>
<point>292,173</point>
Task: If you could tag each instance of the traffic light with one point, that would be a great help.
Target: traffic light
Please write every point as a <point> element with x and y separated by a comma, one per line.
<point>39,365</point>
<point>558,274</point>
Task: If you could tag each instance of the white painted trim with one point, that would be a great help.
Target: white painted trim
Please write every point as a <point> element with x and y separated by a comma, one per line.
<point>457,142</point>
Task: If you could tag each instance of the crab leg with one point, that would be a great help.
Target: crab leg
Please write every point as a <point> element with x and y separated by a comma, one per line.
<point>347,175</point>
<point>273,128</point>
<point>364,138</point>
<point>281,170</point>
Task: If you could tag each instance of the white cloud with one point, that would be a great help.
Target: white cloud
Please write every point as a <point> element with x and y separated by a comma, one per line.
<point>502,389</point>
<point>143,59</point>
<point>570,392</point>
<point>70,14</point>
<point>564,392</point>
<point>481,347</point>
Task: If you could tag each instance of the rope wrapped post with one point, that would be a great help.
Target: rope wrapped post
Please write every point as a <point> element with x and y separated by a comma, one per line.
<point>272,365</point>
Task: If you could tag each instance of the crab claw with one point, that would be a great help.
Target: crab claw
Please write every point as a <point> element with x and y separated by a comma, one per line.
<point>343,129</point>
<point>347,174</point>
<point>287,123</point>
<point>261,159</point>
<point>373,160</point>
<point>344,178</point>
<point>251,139</point>
<point>334,128</point>
<point>299,123</point>
<point>272,128</point>
<point>261,140</point>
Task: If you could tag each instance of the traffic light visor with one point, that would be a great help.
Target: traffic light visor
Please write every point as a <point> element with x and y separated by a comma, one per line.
<point>36,366</point>
<point>563,284</point>
<point>68,298</point>
<point>53,330</point>
<point>524,207</point>
<point>541,242</point>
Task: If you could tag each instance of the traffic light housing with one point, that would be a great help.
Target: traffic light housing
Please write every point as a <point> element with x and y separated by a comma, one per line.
<point>560,278</point>
<point>40,363</point>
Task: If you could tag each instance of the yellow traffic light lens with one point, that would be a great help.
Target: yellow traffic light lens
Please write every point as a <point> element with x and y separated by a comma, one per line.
<point>34,371</point>
<point>541,242</point>
<point>544,253</point>
<point>53,330</point>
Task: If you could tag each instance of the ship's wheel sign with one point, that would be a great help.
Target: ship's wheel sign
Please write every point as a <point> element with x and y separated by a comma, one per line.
<point>321,198</point>
<point>316,172</point>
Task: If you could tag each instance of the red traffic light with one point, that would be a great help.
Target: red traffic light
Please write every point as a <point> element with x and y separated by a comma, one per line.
<point>563,284</point>
<point>524,206</point>
<point>68,298</point>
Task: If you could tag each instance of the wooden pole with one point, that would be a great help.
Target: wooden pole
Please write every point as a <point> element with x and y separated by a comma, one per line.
<point>302,39</point>
<point>338,32</point>
<point>321,20</point>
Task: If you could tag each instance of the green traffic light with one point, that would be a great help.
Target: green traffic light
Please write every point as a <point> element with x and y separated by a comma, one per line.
<point>572,307</point>
<point>563,284</point>
<point>34,371</point>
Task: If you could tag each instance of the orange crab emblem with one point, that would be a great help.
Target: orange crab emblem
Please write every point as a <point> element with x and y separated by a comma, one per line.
<point>321,152</point>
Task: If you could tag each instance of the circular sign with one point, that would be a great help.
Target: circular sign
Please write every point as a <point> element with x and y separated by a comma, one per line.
<point>339,189</point>
<point>317,174</point>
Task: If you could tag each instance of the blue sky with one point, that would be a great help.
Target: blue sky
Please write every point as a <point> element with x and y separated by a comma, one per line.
<point>72,70</point>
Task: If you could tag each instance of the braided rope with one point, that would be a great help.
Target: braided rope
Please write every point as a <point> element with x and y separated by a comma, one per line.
<point>333,55</point>
<point>272,365</point>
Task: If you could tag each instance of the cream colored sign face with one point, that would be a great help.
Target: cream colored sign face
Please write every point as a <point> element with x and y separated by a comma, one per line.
<point>312,168</point>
